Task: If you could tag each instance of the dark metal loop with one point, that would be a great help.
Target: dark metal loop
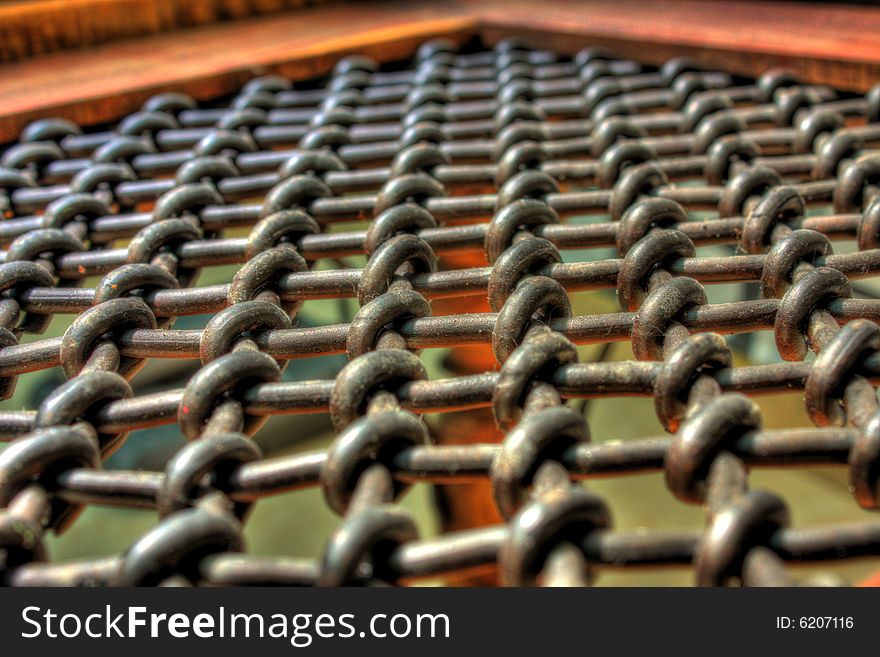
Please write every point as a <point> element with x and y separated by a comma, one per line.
<point>312,163</point>
<point>657,249</point>
<point>715,127</point>
<point>218,455</point>
<point>360,548</point>
<point>263,100</point>
<point>849,194</point>
<point>675,67</point>
<point>262,272</point>
<point>533,295</point>
<point>282,227</point>
<point>242,119</point>
<point>747,521</point>
<point>338,115</point>
<point>13,179</point>
<point>146,124</point>
<point>126,279</point>
<point>869,227</point>
<point>386,260</point>
<point>536,359</point>
<point>516,90</point>
<point>753,182</point>
<point>792,103</point>
<point>15,279</point>
<point>526,184</point>
<point>778,206</point>
<point>102,178</point>
<point>397,220</point>
<point>779,266</point>
<point>436,94</point>
<point>520,157</point>
<point>432,114</point>
<point>42,455</point>
<point>385,369</point>
<point>526,257</point>
<point>514,217</point>
<point>864,465</point>
<point>661,307</point>
<point>351,80</point>
<point>209,169</point>
<point>418,158</point>
<point>834,368</point>
<point>608,131</point>
<point>435,49</point>
<point>726,152</point>
<point>225,377</point>
<point>408,188</point>
<point>7,383</point>
<point>517,110</point>
<point>807,294</point>
<point>833,151</point>
<point>104,322</point>
<point>645,215</point>
<point>383,313</point>
<point>123,149</point>
<point>544,524</point>
<point>544,436</point>
<point>294,193</point>
<point>32,157</point>
<point>375,439</point>
<point>51,129</point>
<point>700,107</point>
<point>172,102</point>
<point>267,83</point>
<point>635,182</point>
<point>700,355</point>
<point>177,545</point>
<point>225,143</point>
<point>80,399</point>
<point>230,324</point>
<point>598,91</point>
<point>161,236</point>
<point>329,137</point>
<point>618,157</point>
<point>517,133</point>
<point>687,85</point>
<point>769,82</point>
<point>816,123</point>
<point>74,207</point>
<point>421,132</point>
<point>21,543</point>
<point>53,242</point>
<point>716,426</point>
<point>186,200</point>
<point>350,97</point>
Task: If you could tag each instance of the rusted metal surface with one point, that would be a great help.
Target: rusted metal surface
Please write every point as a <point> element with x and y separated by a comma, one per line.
<point>476,159</point>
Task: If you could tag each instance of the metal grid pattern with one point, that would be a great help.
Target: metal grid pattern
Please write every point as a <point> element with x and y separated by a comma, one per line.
<point>662,161</point>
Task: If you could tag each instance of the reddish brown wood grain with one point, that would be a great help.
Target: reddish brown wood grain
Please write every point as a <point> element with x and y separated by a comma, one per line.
<point>823,43</point>
<point>33,27</point>
<point>108,81</point>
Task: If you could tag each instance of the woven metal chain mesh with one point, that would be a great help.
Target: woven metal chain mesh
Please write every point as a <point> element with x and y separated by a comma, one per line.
<point>468,174</point>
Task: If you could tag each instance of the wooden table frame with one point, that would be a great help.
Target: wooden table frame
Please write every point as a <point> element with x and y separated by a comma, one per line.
<point>823,43</point>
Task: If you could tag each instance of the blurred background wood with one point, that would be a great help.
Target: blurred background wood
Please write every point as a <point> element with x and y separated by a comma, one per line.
<point>34,27</point>
<point>824,43</point>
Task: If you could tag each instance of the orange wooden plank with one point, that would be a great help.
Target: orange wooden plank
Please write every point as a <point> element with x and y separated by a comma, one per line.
<point>108,81</point>
<point>824,43</point>
<point>33,27</point>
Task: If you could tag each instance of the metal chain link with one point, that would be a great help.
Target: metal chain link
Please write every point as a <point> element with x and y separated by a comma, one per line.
<point>486,153</point>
